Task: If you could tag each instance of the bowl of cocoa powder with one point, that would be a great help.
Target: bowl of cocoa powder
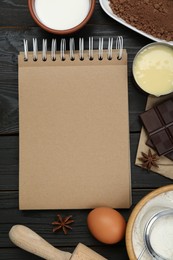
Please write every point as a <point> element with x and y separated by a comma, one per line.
<point>151,18</point>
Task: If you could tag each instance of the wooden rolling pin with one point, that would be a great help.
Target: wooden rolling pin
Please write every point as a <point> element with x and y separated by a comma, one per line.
<point>28,240</point>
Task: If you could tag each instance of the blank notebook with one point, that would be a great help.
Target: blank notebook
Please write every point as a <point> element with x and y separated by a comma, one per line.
<point>74,131</point>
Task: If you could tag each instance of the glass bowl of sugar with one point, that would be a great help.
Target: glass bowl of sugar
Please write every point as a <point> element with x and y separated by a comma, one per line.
<point>61,16</point>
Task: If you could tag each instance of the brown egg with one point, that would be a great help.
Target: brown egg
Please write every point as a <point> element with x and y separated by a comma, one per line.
<point>106,225</point>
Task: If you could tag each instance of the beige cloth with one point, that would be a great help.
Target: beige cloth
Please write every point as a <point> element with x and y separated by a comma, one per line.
<point>165,165</point>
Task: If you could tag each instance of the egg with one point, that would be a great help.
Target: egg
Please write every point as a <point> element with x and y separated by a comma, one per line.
<point>106,225</point>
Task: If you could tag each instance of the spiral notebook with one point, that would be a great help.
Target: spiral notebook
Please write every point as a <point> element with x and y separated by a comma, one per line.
<point>74,131</point>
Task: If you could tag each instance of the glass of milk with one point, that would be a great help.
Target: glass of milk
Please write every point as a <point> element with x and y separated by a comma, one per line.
<point>61,16</point>
<point>153,68</point>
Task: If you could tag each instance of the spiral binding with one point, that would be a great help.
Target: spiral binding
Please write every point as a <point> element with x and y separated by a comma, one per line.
<point>100,57</point>
<point>25,42</point>
<point>53,53</point>
<point>91,48</point>
<point>53,50</point>
<point>62,49</point>
<point>119,46</point>
<point>35,50</point>
<point>81,48</point>
<point>110,48</point>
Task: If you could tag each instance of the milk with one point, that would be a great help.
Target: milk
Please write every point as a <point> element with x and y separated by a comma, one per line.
<point>62,14</point>
<point>153,69</point>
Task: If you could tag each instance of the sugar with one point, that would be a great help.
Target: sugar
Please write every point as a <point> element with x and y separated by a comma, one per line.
<point>159,203</point>
<point>162,237</point>
<point>62,14</point>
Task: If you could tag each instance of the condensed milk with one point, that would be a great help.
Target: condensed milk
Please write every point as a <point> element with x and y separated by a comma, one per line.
<point>153,69</point>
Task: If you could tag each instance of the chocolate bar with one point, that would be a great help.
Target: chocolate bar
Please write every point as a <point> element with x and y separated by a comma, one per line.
<point>168,155</point>
<point>158,122</point>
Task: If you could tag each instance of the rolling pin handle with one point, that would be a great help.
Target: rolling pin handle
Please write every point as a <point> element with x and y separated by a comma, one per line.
<point>28,240</point>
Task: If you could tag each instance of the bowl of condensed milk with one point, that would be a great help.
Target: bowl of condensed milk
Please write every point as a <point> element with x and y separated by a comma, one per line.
<point>61,16</point>
<point>153,68</point>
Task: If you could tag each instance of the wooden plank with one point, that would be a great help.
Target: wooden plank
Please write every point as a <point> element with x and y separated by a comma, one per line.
<point>9,160</point>
<point>16,24</point>
<point>109,252</point>
<point>16,13</point>
<point>16,254</point>
<point>9,166</point>
<point>40,221</point>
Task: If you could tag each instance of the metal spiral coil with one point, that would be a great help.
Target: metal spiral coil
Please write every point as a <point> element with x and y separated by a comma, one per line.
<point>63,53</point>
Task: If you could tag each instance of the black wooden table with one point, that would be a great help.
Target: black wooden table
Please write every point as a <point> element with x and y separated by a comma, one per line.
<point>16,24</point>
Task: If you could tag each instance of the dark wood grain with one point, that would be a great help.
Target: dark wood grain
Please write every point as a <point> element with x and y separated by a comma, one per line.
<point>40,222</point>
<point>16,24</point>
<point>111,253</point>
<point>15,13</point>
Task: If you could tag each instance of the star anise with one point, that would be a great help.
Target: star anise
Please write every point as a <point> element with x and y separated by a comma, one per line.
<point>63,223</point>
<point>149,160</point>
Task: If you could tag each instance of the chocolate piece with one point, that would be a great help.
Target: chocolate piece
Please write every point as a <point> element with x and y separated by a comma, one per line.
<point>168,155</point>
<point>166,111</point>
<point>151,121</point>
<point>158,122</point>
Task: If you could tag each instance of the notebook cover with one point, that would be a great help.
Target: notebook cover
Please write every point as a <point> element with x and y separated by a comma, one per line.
<point>74,134</point>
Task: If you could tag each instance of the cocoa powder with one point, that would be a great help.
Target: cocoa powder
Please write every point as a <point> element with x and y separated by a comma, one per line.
<point>151,16</point>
